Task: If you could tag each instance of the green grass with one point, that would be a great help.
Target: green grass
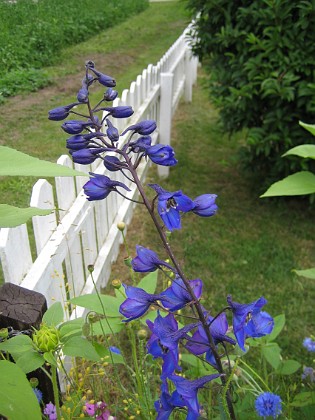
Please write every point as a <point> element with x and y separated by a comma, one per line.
<point>123,52</point>
<point>250,247</point>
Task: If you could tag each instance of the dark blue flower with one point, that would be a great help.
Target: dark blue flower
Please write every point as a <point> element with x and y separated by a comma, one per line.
<point>205,205</point>
<point>112,132</point>
<point>199,343</point>
<point>110,95</point>
<point>141,144</point>
<point>81,141</point>
<point>83,94</point>
<point>167,403</point>
<point>119,111</point>
<point>309,344</point>
<point>164,341</point>
<point>143,128</point>
<point>170,204</point>
<point>60,113</point>
<point>161,155</point>
<point>188,390</point>
<point>86,156</point>
<point>75,126</point>
<point>100,186</point>
<point>103,79</point>
<point>268,405</point>
<point>147,261</point>
<point>177,296</point>
<point>137,303</point>
<point>113,164</point>
<point>114,349</point>
<point>249,320</point>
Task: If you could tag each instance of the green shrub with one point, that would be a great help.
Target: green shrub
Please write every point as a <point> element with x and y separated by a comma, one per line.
<point>260,57</point>
<point>33,32</point>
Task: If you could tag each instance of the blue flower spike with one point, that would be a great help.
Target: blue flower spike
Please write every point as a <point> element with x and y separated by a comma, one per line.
<point>249,320</point>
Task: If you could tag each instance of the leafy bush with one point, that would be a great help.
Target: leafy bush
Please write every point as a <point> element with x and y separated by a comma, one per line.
<point>33,33</point>
<point>260,60</point>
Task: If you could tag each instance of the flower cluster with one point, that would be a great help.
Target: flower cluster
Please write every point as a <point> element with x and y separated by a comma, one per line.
<point>268,405</point>
<point>96,137</point>
<point>309,344</point>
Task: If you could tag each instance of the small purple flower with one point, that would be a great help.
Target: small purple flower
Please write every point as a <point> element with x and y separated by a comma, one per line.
<point>83,94</point>
<point>143,128</point>
<point>60,113</point>
<point>308,373</point>
<point>137,303</point>
<point>50,411</point>
<point>103,79</point>
<point>86,156</point>
<point>205,205</point>
<point>309,344</point>
<point>112,132</point>
<point>161,155</point>
<point>268,405</point>
<point>90,409</point>
<point>81,141</point>
<point>114,349</point>
<point>188,390</point>
<point>100,186</point>
<point>177,296</point>
<point>110,95</point>
<point>249,320</point>
<point>75,126</point>
<point>119,111</point>
<point>170,204</point>
<point>147,261</point>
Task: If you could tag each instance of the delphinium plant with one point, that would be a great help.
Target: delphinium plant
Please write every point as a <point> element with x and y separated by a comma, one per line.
<point>182,323</point>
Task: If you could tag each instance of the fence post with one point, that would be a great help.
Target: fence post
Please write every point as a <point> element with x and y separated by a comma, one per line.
<point>165,118</point>
<point>189,79</point>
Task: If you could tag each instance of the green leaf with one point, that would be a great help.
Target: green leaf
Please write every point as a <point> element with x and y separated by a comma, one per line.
<point>304,151</point>
<point>109,304</point>
<point>308,273</point>
<point>278,327</point>
<point>17,345</point>
<point>271,353</point>
<point>49,357</point>
<point>25,165</point>
<point>73,327</point>
<point>287,367</point>
<point>80,347</point>
<point>308,127</point>
<point>54,315</point>
<point>300,183</point>
<point>17,399</point>
<point>30,361</point>
<point>303,399</point>
<point>149,282</point>
<point>105,327</point>
<point>11,216</point>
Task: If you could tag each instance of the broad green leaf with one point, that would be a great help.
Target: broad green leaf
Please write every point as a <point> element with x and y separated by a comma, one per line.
<point>54,315</point>
<point>303,399</point>
<point>11,216</point>
<point>15,163</point>
<point>300,183</point>
<point>30,361</point>
<point>80,347</point>
<point>287,367</point>
<point>109,304</point>
<point>304,151</point>
<point>271,353</point>
<point>72,327</point>
<point>149,282</point>
<point>105,327</point>
<point>308,127</point>
<point>17,345</point>
<point>17,399</point>
<point>49,357</point>
<point>309,273</point>
<point>278,327</point>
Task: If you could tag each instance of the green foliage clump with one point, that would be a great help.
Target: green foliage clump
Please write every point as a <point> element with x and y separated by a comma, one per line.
<point>34,32</point>
<point>260,60</point>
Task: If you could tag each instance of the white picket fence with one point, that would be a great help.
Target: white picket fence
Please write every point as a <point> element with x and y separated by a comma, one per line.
<point>84,233</point>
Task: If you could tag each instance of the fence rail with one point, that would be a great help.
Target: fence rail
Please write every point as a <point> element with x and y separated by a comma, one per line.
<point>84,233</point>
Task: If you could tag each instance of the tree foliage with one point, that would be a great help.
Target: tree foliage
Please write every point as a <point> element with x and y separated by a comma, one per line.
<point>260,59</point>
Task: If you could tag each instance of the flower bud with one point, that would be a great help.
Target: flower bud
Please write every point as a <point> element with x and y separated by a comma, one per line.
<point>116,283</point>
<point>46,338</point>
<point>4,333</point>
<point>110,94</point>
<point>113,164</point>
<point>34,382</point>
<point>60,113</point>
<point>142,334</point>
<point>119,111</point>
<point>127,261</point>
<point>121,226</point>
<point>83,94</point>
<point>143,127</point>
<point>75,126</point>
<point>112,132</point>
<point>104,79</point>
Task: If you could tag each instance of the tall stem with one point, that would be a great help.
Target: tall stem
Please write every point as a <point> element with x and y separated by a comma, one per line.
<point>196,302</point>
